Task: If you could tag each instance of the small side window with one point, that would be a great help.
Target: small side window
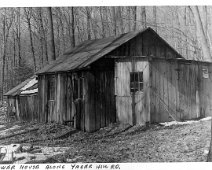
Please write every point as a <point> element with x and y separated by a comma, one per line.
<point>136,81</point>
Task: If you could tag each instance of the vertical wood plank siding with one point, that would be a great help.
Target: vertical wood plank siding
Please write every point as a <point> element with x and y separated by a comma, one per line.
<point>26,107</point>
<point>94,110</point>
<point>177,90</point>
<point>59,108</point>
<point>145,45</point>
<point>124,102</point>
<point>180,91</point>
<point>99,100</point>
<point>42,98</point>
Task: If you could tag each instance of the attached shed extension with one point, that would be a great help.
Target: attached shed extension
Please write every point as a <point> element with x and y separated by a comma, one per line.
<point>133,78</point>
<point>180,90</point>
<point>23,100</point>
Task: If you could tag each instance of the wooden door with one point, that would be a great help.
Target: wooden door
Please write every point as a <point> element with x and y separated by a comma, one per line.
<point>51,98</point>
<point>78,101</point>
<point>132,92</point>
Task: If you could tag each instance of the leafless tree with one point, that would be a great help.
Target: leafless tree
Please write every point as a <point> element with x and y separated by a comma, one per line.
<point>7,20</point>
<point>28,16</point>
<point>201,34</point>
<point>52,55</point>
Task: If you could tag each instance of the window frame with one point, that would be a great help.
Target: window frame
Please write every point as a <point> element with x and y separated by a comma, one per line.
<point>136,82</point>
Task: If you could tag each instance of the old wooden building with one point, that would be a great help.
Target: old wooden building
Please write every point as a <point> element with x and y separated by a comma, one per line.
<point>135,78</point>
<point>23,100</point>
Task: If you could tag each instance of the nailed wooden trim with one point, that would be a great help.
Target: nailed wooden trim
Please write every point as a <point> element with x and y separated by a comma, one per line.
<point>117,57</point>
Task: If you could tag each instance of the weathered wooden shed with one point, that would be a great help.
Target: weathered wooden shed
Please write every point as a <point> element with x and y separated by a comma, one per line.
<point>23,100</point>
<point>135,78</point>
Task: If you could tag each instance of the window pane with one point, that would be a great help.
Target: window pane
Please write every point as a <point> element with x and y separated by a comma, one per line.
<point>136,87</point>
<point>141,86</point>
<point>136,81</point>
<point>132,77</point>
<point>131,86</point>
<point>135,77</point>
<point>140,76</point>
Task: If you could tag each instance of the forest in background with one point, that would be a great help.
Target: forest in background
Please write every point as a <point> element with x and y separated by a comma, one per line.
<point>25,34</point>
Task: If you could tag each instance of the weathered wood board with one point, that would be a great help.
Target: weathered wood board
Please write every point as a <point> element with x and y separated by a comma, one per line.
<point>124,97</point>
<point>179,91</point>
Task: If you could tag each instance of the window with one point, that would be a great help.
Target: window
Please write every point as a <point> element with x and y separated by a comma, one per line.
<point>136,81</point>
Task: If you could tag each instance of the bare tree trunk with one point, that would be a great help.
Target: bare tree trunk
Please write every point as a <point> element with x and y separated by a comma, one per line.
<point>179,44</point>
<point>120,24</point>
<point>114,20</point>
<point>129,18</point>
<point>143,16</point>
<point>72,28</point>
<point>28,14</point>
<point>94,24</point>
<point>155,17</point>
<point>6,30</point>
<point>201,34</point>
<point>185,26</point>
<point>52,55</point>
<point>108,15</point>
<point>18,34</point>
<point>88,12</point>
<point>206,19</point>
<point>61,24</point>
<point>14,58</point>
<point>42,36</point>
<point>57,39</point>
<point>3,57</point>
<point>102,14</point>
<point>206,27</point>
<point>135,18</point>
<point>14,50</point>
<point>69,17</point>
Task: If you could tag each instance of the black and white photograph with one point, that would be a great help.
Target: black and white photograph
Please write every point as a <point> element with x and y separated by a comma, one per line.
<point>105,84</point>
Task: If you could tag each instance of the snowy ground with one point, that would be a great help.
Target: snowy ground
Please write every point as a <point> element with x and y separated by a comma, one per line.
<point>175,142</point>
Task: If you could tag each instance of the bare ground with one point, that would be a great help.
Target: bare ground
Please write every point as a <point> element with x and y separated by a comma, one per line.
<point>118,143</point>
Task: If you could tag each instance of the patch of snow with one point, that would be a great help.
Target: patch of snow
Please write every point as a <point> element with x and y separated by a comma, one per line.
<point>14,127</point>
<point>30,84</point>
<point>207,118</point>
<point>29,91</point>
<point>206,152</point>
<point>54,150</point>
<point>1,126</point>
<point>184,123</point>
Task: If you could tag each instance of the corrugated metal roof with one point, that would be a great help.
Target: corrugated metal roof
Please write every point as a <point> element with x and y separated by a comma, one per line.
<point>18,89</point>
<point>90,51</point>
